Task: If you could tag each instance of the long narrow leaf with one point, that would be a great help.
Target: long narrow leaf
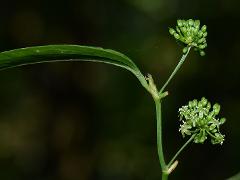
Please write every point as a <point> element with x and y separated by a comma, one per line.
<point>53,53</point>
<point>235,177</point>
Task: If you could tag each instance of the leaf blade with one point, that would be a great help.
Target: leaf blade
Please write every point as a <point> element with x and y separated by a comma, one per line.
<point>54,53</point>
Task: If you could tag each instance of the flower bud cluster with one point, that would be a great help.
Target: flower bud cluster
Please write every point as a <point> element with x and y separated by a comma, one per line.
<point>199,118</point>
<point>190,33</point>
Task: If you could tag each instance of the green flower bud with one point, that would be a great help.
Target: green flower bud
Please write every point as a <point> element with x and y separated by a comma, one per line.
<point>190,104</point>
<point>196,140</point>
<point>208,105</point>
<point>213,126</point>
<point>197,23</point>
<point>200,137</point>
<point>202,53</point>
<point>195,102</point>
<point>190,33</point>
<point>189,40</point>
<point>201,40</point>
<point>222,120</point>
<point>184,23</point>
<point>185,50</point>
<point>200,34</point>
<point>172,31</point>
<point>184,30</point>
<point>194,30</point>
<point>179,22</point>
<point>219,138</point>
<point>202,46</point>
<point>200,104</point>
<point>195,44</point>
<point>204,101</point>
<point>176,36</point>
<point>214,130</point>
<point>190,22</point>
<point>216,108</point>
<point>201,122</point>
<point>209,117</point>
<point>204,28</point>
<point>191,29</point>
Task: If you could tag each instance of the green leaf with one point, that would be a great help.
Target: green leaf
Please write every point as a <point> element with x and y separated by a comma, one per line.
<point>55,53</point>
<point>235,177</point>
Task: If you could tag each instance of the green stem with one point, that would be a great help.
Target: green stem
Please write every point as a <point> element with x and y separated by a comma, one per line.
<point>180,150</point>
<point>159,134</point>
<point>164,176</point>
<point>157,99</point>
<point>175,70</point>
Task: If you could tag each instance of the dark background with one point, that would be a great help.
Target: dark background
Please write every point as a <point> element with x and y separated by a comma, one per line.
<point>86,121</point>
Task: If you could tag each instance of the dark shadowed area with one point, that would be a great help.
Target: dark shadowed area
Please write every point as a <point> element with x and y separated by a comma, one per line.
<point>88,121</point>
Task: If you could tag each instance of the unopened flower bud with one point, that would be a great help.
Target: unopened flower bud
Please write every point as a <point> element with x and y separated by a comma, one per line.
<point>222,120</point>
<point>171,31</point>
<point>185,50</point>
<point>216,108</point>
<point>202,46</point>
<point>208,105</point>
<point>190,22</point>
<point>184,30</point>
<point>204,101</point>
<point>204,28</point>
<point>205,34</point>
<point>197,23</point>
<point>212,127</point>
<point>202,53</point>
<point>179,22</point>
<point>201,40</point>
<point>190,104</point>
<point>194,102</point>
<point>189,33</point>
<point>176,36</point>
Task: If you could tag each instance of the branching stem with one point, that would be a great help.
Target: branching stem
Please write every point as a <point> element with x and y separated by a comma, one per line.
<point>157,100</point>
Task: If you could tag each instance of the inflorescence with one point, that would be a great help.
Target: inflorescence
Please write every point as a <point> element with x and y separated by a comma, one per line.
<point>200,120</point>
<point>190,33</point>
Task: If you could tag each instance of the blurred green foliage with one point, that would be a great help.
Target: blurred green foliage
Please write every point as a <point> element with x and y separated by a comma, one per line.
<point>71,121</point>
